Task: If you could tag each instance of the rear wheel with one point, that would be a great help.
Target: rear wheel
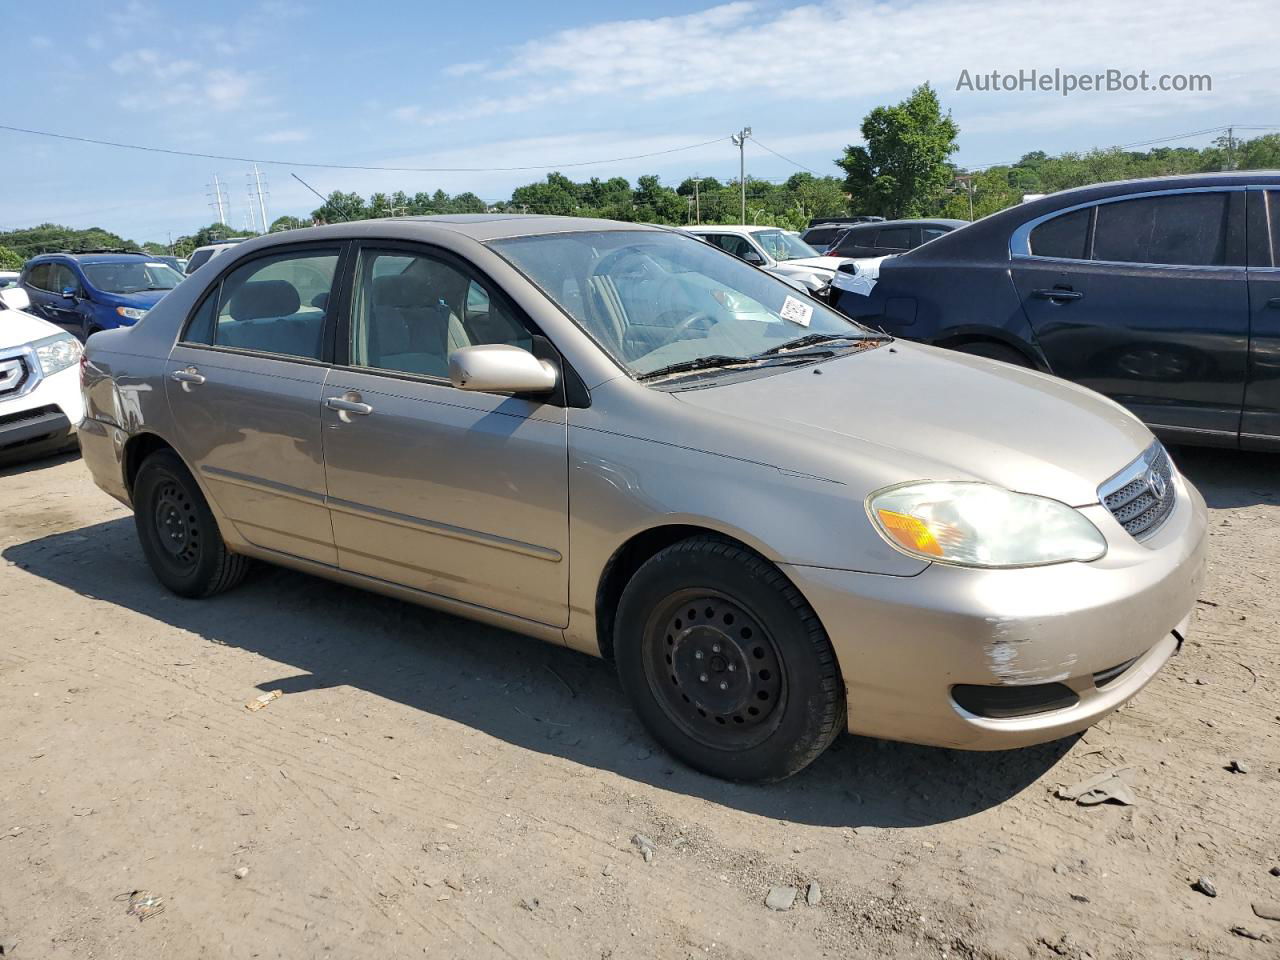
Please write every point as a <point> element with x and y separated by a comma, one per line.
<point>726,663</point>
<point>178,532</point>
<point>994,351</point>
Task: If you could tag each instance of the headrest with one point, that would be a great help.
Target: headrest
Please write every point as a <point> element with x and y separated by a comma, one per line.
<point>401,291</point>
<point>264,298</point>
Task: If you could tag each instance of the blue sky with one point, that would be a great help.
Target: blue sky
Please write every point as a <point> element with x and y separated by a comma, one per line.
<point>517,84</point>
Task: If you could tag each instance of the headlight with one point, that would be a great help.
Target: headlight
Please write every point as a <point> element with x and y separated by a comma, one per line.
<point>131,313</point>
<point>981,525</point>
<point>57,353</point>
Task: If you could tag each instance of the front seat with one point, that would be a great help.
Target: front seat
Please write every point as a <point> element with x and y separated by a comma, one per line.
<point>411,330</point>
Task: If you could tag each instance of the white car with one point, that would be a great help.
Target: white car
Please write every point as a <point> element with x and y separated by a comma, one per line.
<point>202,255</point>
<point>775,251</point>
<point>40,402</point>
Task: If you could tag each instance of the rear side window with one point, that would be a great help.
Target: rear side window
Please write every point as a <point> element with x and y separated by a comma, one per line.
<point>1065,237</point>
<point>932,233</point>
<point>894,238</point>
<point>1188,229</point>
<point>38,276</point>
<point>853,239</point>
<point>270,305</point>
<point>820,237</point>
<point>198,260</point>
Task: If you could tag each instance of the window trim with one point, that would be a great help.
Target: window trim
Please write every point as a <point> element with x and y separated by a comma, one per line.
<point>342,331</point>
<point>1271,221</point>
<point>1020,239</point>
<point>214,289</point>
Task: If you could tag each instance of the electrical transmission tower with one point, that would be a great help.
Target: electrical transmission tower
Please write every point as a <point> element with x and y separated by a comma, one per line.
<point>258,194</point>
<point>218,199</point>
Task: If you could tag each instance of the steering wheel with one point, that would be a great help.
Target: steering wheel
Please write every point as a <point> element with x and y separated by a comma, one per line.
<point>683,326</point>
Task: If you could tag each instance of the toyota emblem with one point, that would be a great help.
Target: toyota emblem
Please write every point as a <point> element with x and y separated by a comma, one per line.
<point>1158,485</point>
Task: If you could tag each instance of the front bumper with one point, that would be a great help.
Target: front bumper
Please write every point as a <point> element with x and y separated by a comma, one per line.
<point>906,643</point>
<point>41,419</point>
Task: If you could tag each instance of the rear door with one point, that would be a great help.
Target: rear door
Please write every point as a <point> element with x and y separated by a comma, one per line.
<point>1260,425</point>
<point>245,383</point>
<point>1145,299</point>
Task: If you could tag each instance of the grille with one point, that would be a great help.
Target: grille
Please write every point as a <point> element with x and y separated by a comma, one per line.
<point>13,374</point>
<point>35,413</point>
<point>1142,495</point>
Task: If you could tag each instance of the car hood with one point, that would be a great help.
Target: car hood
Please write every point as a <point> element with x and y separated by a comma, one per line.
<point>18,327</point>
<point>143,299</point>
<point>910,412</point>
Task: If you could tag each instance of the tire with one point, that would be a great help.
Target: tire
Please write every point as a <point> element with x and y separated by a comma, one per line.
<point>178,532</point>
<point>748,688</point>
<point>995,351</point>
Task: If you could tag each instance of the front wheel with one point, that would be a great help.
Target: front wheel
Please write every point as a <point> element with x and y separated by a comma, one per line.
<point>726,664</point>
<point>178,532</point>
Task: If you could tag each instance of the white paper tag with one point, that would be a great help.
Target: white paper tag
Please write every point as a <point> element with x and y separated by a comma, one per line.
<point>796,311</point>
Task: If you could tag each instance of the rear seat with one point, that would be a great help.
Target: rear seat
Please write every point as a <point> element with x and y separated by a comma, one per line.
<point>265,316</point>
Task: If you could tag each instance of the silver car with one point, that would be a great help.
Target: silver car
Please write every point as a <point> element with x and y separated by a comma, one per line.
<point>778,524</point>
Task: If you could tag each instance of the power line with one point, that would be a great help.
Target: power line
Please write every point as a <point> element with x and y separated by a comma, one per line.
<point>1139,143</point>
<point>347,166</point>
<point>788,159</point>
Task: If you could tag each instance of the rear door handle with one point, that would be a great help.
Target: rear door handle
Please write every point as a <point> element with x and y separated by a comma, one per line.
<point>1274,303</point>
<point>190,377</point>
<point>1058,296</point>
<point>345,405</point>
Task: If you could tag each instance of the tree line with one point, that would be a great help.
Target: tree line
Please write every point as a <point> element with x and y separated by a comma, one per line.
<point>902,168</point>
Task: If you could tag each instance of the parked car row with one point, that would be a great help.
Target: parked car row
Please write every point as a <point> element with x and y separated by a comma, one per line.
<point>777,523</point>
<point>86,292</point>
<point>1162,294</point>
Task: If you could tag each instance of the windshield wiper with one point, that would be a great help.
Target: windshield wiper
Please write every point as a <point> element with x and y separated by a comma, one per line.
<point>809,340</point>
<point>709,362</point>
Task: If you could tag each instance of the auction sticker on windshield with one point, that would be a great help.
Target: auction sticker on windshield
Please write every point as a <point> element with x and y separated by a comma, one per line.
<point>796,311</point>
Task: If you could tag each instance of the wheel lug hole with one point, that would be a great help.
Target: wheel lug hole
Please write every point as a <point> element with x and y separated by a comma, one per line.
<point>733,667</point>
<point>702,677</point>
<point>715,648</point>
<point>724,685</point>
<point>697,654</point>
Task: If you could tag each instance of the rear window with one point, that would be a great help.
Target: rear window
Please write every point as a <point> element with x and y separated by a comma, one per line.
<point>1066,236</point>
<point>1184,229</point>
<point>198,260</point>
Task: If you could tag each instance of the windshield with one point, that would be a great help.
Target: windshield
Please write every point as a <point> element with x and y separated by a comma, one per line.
<point>652,299</point>
<point>132,276</point>
<point>782,245</point>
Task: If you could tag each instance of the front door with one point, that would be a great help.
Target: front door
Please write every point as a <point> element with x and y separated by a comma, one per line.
<point>1260,425</point>
<point>1145,300</point>
<point>245,383</point>
<point>456,493</point>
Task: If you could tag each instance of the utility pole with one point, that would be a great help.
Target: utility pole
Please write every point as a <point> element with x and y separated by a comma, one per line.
<point>219,201</point>
<point>1230,146</point>
<point>697,202</point>
<point>740,141</point>
<point>967,181</point>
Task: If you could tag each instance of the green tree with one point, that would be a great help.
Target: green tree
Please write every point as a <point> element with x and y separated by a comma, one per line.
<point>10,259</point>
<point>903,171</point>
<point>287,223</point>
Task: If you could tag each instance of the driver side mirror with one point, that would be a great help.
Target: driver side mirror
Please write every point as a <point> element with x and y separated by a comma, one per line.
<point>500,368</point>
<point>15,298</point>
<point>753,257</point>
<point>69,293</point>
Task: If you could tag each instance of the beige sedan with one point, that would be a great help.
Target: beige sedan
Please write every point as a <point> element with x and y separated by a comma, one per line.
<point>779,524</point>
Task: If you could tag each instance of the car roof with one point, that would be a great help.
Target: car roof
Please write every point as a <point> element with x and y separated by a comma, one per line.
<point>728,228</point>
<point>480,227</point>
<point>91,257</point>
<point>911,222</point>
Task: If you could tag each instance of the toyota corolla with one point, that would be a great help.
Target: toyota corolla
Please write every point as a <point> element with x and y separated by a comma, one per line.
<point>777,523</point>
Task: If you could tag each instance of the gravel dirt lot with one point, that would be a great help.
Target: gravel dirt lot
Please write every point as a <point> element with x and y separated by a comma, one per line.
<point>426,786</point>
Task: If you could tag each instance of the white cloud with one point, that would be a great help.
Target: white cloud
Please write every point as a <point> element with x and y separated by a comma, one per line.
<point>856,49</point>
<point>152,65</point>
<point>465,69</point>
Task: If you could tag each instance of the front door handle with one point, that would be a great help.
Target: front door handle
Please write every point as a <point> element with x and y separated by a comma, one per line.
<point>1058,296</point>
<point>1274,303</point>
<point>190,377</point>
<point>348,404</point>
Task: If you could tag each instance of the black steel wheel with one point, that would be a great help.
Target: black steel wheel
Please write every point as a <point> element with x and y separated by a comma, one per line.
<point>727,665</point>
<point>178,532</point>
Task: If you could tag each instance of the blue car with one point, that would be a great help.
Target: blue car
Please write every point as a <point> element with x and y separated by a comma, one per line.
<point>87,292</point>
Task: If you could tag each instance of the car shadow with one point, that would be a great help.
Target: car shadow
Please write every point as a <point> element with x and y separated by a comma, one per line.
<point>533,695</point>
<point>1231,478</point>
<point>44,461</point>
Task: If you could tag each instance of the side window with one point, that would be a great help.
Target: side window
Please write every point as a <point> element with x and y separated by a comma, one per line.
<point>730,243</point>
<point>63,278</point>
<point>931,233</point>
<point>410,311</point>
<point>198,260</point>
<point>275,304</point>
<point>1187,229</point>
<point>1065,236</point>
<point>1273,205</point>
<point>38,276</point>
<point>894,238</point>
